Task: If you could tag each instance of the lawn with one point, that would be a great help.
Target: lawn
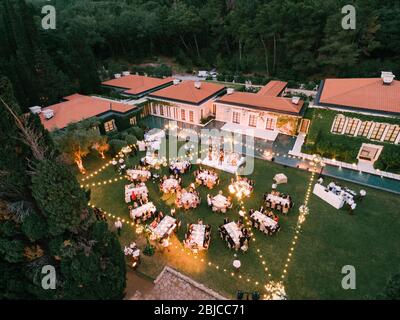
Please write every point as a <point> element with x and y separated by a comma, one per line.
<point>329,238</point>
<point>345,148</point>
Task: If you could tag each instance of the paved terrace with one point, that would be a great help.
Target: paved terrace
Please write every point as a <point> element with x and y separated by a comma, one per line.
<point>173,285</point>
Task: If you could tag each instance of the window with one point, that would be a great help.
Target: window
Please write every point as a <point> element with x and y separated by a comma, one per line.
<point>378,130</point>
<point>236,117</point>
<point>270,124</point>
<point>175,114</point>
<point>183,115</point>
<point>253,120</point>
<point>154,109</point>
<point>338,124</point>
<point>146,111</point>
<point>352,125</point>
<point>161,110</point>
<point>392,133</point>
<point>191,116</point>
<point>365,128</point>
<point>214,109</point>
<point>110,126</point>
<point>133,121</point>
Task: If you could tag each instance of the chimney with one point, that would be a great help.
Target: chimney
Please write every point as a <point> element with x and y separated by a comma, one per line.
<point>197,84</point>
<point>230,91</point>
<point>295,100</point>
<point>126,73</point>
<point>117,75</point>
<point>387,77</point>
<point>35,109</point>
<point>176,81</point>
<point>48,114</point>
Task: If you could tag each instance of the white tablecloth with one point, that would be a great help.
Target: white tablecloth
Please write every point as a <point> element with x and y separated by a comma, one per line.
<point>137,190</point>
<point>180,165</point>
<point>170,184</point>
<point>197,234</point>
<point>234,232</point>
<point>150,160</point>
<point>220,201</point>
<point>206,177</point>
<point>266,221</point>
<point>165,226</point>
<point>277,199</point>
<point>137,174</point>
<point>188,197</point>
<point>138,212</point>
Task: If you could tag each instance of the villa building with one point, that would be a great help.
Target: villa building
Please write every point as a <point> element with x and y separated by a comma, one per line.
<point>186,101</point>
<point>265,113</point>
<point>368,108</point>
<point>136,86</point>
<point>112,114</point>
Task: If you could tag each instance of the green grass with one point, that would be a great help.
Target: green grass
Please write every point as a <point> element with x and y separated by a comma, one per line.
<point>342,147</point>
<point>329,238</point>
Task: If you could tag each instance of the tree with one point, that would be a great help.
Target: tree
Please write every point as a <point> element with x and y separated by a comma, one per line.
<point>101,146</point>
<point>45,219</point>
<point>392,289</point>
<point>77,140</point>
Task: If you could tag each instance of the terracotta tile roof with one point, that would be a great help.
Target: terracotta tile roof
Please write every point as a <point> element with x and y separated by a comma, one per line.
<point>367,94</point>
<point>273,88</point>
<point>135,84</point>
<point>251,100</point>
<point>79,107</point>
<point>185,91</point>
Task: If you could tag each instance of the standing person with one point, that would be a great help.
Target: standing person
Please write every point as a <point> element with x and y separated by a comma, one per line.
<point>118,226</point>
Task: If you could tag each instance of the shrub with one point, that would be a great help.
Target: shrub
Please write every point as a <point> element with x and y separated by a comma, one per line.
<point>138,132</point>
<point>116,145</point>
<point>130,139</point>
<point>389,159</point>
<point>149,249</point>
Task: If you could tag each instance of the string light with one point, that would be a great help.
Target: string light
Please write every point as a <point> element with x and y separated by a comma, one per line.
<point>273,289</point>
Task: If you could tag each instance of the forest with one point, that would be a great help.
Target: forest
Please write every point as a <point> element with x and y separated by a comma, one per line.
<point>286,39</point>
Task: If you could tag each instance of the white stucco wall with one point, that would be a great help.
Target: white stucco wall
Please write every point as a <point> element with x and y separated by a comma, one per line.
<point>169,113</point>
<point>225,114</point>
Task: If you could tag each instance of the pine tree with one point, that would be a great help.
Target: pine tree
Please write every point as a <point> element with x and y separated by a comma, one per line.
<point>45,219</point>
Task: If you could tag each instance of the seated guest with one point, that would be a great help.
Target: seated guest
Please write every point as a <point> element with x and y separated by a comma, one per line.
<point>209,200</point>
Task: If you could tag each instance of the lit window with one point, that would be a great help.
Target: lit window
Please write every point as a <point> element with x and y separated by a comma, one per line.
<point>365,128</point>
<point>133,121</point>
<point>253,120</point>
<point>378,130</point>
<point>270,123</point>
<point>352,125</point>
<point>183,115</point>
<point>110,126</point>
<point>392,133</point>
<point>236,117</point>
<point>338,124</point>
<point>191,116</point>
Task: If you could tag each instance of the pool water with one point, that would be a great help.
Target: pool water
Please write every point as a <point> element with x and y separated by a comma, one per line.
<point>281,147</point>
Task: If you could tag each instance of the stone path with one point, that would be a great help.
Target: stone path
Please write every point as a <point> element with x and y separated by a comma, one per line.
<point>172,285</point>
